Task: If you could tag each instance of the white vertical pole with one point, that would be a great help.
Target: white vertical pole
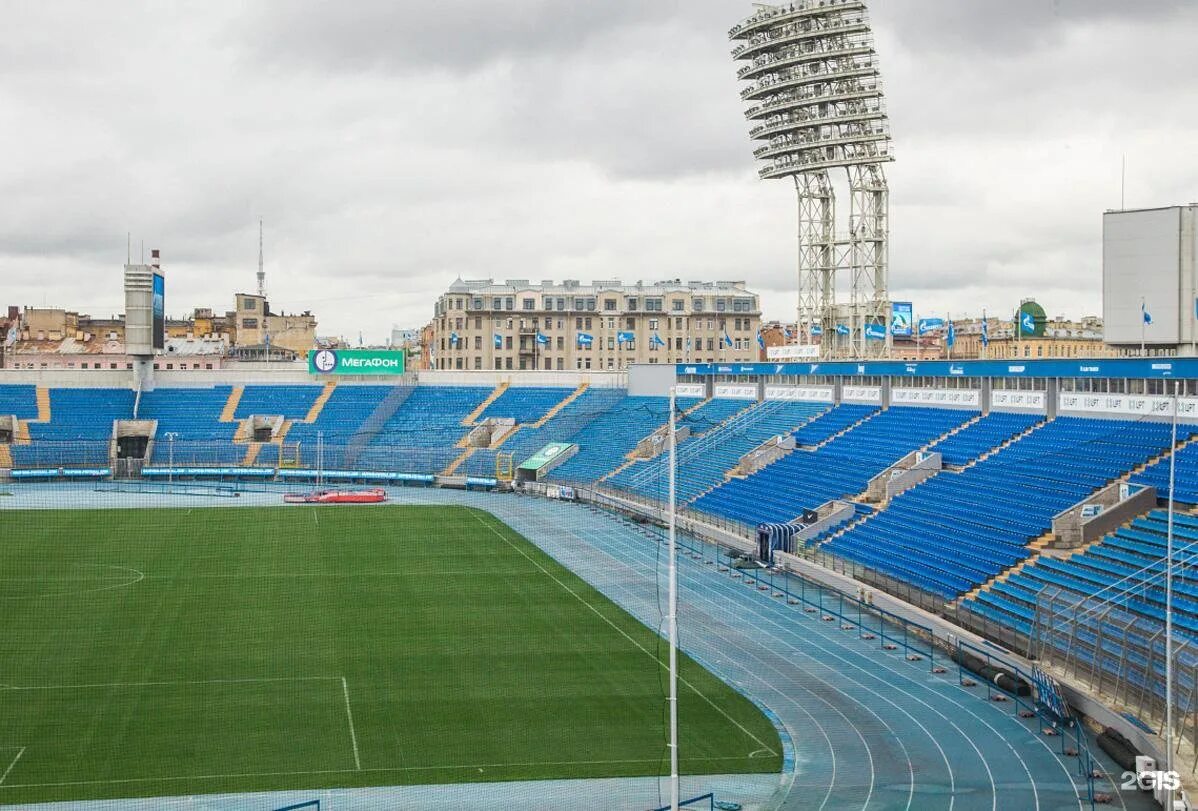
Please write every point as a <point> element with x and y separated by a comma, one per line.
<point>1142,326</point>
<point>672,610</point>
<point>1169,608</point>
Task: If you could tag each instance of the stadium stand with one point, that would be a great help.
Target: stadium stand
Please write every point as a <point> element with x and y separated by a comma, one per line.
<point>563,426</point>
<point>945,537</point>
<point>525,403</point>
<point>19,400</point>
<point>987,433</point>
<point>604,443</point>
<point>705,458</point>
<point>420,436</point>
<point>832,423</point>
<point>346,412</point>
<point>1185,485</point>
<point>193,416</point>
<point>1125,569</point>
<point>805,479</point>
<point>292,402</point>
<point>78,431</point>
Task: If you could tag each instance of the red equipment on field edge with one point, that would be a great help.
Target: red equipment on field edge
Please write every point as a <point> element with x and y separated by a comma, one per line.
<point>373,495</point>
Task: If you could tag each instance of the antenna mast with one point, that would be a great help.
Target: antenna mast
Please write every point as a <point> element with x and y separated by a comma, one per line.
<point>261,270</point>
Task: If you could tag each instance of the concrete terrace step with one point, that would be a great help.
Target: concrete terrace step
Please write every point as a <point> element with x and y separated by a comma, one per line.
<point>492,397</point>
<point>553,412</point>
<point>228,413</point>
<point>318,405</point>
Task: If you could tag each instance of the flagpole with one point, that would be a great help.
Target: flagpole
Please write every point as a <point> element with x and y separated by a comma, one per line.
<point>1143,321</point>
<point>1169,608</point>
<point>672,612</point>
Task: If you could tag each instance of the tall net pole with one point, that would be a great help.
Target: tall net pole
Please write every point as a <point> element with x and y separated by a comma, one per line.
<point>1169,744</point>
<point>672,611</point>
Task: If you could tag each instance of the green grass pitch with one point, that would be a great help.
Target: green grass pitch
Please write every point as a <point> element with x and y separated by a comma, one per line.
<point>152,652</point>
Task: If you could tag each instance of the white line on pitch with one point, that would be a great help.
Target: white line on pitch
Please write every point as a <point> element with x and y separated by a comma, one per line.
<point>4,776</point>
<point>167,683</point>
<point>353,736</point>
<point>623,633</point>
<point>471,766</point>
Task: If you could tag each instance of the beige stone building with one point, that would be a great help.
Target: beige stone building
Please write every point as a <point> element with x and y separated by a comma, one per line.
<point>254,321</point>
<point>481,324</point>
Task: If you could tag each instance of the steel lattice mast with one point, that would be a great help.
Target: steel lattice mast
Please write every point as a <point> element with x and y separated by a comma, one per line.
<point>817,104</point>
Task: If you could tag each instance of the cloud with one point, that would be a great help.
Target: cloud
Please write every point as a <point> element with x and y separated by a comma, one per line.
<point>392,147</point>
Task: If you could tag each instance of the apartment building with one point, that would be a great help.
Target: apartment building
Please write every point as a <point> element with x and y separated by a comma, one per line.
<point>481,324</point>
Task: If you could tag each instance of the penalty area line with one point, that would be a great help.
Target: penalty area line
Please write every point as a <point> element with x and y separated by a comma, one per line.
<point>8,771</point>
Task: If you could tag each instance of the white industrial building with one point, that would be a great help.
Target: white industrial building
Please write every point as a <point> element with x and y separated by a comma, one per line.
<point>1149,266</point>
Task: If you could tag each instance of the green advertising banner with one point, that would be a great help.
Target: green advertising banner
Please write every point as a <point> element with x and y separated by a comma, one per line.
<point>545,455</point>
<point>355,362</point>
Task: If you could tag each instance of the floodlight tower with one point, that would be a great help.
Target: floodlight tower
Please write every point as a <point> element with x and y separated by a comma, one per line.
<point>817,105</point>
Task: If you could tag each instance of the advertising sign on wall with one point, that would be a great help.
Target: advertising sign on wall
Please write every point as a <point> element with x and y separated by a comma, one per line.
<point>901,317</point>
<point>355,362</point>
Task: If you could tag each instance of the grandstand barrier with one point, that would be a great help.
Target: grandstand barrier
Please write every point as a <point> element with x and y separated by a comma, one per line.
<point>904,474</point>
<point>1101,512</point>
<point>764,454</point>
<point>831,514</point>
<point>489,433</point>
<point>657,442</point>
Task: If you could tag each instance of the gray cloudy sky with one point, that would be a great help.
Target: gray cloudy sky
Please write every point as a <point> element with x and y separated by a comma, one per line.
<point>393,145</point>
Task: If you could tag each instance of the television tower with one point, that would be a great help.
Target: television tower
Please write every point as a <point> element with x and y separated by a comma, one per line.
<point>261,269</point>
<point>818,106</point>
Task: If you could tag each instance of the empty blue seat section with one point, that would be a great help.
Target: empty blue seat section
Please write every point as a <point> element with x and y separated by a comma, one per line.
<point>957,530</point>
<point>804,479</point>
<point>562,427</point>
<point>526,403</point>
<point>338,422</point>
<point>986,434</point>
<point>832,423</point>
<point>1185,484</point>
<point>293,402</point>
<point>420,437</point>
<point>18,400</point>
<point>193,416</point>
<point>79,430</point>
<point>604,442</point>
<point>1125,569</point>
<point>704,459</point>
<point>710,414</point>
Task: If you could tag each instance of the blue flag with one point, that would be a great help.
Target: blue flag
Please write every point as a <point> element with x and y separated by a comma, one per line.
<point>875,332</point>
<point>498,341</point>
<point>656,340</point>
<point>760,340</point>
<point>786,331</point>
<point>1145,313</point>
<point>950,337</point>
<point>453,338</point>
<point>625,337</point>
<point>1027,323</point>
<point>585,339</point>
<point>816,330</point>
<point>688,344</point>
<point>542,339</point>
<point>985,331</point>
<point>927,325</point>
<point>727,340</point>
<point>842,329</point>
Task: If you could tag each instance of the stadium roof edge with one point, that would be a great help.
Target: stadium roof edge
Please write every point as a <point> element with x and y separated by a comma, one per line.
<point>1159,368</point>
